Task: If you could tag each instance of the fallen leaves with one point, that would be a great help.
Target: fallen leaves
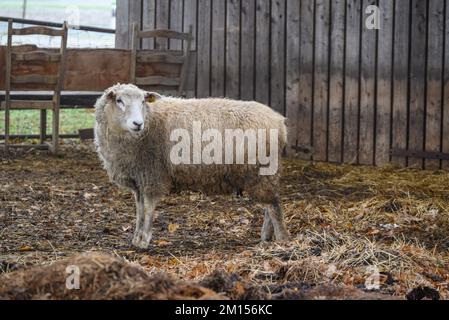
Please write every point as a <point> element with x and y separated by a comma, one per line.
<point>25,248</point>
<point>172,227</point>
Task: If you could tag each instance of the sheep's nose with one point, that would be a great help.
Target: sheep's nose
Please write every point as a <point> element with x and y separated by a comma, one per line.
<point>138,124</point>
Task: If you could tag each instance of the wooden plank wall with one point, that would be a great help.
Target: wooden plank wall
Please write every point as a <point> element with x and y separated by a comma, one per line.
<point>350,92</point>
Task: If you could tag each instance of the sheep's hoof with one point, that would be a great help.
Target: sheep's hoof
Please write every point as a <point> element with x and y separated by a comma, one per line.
<point>142,241</point>
<point>282,237</point>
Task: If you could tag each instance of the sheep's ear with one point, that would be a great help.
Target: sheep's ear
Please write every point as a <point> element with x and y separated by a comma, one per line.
<point>151,97</point>
<point>111,95</point>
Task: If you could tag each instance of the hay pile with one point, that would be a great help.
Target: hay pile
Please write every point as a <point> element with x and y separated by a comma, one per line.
<point>102,276</point>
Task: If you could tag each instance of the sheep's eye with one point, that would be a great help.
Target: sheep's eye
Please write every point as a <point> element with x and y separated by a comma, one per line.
<point>121,105</point>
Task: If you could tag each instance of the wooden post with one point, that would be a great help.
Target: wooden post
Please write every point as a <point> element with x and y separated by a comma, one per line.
<point>134,44</point>
<point>8,85</point>
<point>57,94</point>
<point>186,66</point>
<point>43,126</point>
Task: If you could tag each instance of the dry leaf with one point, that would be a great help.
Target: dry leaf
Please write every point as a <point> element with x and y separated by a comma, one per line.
<point>25,248</point>
<point>162,243</point>
<point>172,227</point>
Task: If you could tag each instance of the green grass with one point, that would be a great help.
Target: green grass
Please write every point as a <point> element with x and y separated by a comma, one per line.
<point>27,121</point>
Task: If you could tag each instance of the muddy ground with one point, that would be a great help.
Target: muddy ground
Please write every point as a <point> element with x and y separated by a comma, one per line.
<point>346,222</point>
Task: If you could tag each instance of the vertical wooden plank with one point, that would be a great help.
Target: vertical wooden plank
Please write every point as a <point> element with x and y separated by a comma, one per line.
<point>248,36</point>
<point>336,80</point>
<point>320,107</point>
<point>350,145</point>
<point>263,51</point>
<point>278,56</point>
<point>445,133</point>
<point>367,91</point>
<point>176,23</point>
<point>306,60</point>
<point>434,89</point>
<point>417,80</point>
<point>233,49</point>
<point>133,58</point>
<point>148,21</point>
<point>218,48</point>
<point>162,19</point>
<point>204,48</point>
<point>8,69</point>
<point>400,78</point>
<point>190,15</point>
<point>122,25</point>
<point>190,20</point>
<point>292,73</point>
<point>135,16</point>
<point>384,72</point>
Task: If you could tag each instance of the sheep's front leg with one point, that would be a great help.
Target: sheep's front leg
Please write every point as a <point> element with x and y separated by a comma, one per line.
<point>277,219</point>
<point>139,217</point>
<point>146,231</point>
<point>267,228</point>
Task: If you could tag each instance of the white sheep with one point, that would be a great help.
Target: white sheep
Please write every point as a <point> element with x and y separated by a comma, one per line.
<point>138,133</point>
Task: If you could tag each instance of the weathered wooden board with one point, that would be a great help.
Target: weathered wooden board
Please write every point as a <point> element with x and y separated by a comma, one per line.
<point>204,48</point>
<point>384,83</point>
<point>417,80</point>
<point>176,23</point>
<point>233,49</point>
<point>292,74</point>
<point>90,69</point>
<point>321,80</point>
<point>400,70</point>
<point>218,56</point>
<point>148,21</point>
<point>262,81</point>
<point>306,63</point>
<point>434,80</point>
<point>367,92</point>
<point>352,77</point>
<point>445,84</point>
<point>277,72</point>
<point>247,58</point>
<point>336,84</point>
<point>162,22</point>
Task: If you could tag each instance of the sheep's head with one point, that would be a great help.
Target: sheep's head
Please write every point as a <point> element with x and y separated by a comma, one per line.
<point>127,107</point>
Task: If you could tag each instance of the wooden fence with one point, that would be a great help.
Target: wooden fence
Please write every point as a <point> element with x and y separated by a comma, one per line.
<point>353,93</point>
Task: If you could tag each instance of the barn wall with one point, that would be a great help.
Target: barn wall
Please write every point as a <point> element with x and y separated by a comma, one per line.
<point>350,92</point>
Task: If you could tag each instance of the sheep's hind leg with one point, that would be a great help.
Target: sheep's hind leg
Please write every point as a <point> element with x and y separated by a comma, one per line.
<point>277,218</point>
<point>146,234</point>
<point>267,228</point>
<point>139,217</point>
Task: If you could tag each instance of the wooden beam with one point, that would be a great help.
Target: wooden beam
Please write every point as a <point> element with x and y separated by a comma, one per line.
<point>157,80</point>
<point>34,78</point>
<point>164,33</point>
<point>420,154</point>
<point>36,55</point>
<point>37,30</point>
<point>150,57</point>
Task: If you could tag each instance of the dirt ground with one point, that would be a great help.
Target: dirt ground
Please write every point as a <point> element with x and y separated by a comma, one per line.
<point>345,222</point>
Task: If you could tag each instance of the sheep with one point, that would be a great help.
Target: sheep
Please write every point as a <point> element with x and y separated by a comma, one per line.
<point>135,138</point>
